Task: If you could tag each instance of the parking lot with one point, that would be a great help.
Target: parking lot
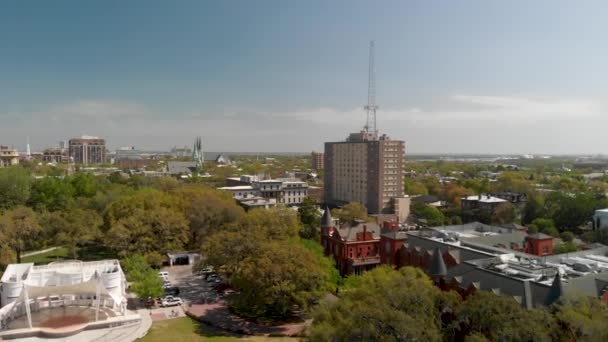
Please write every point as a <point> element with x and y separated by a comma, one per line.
<point>193,288</point>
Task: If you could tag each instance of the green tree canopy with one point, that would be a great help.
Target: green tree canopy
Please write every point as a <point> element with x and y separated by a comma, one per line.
<point>73,227</point>
<point>310,219</point>
<point>432,215</point>
<point>385,305</point>
<point>500,318</point>
<point>20,228</point>
<point>351,212</point>
<point>262,256</point>
<point>145,280</point>
<point>15,187</point>
<point>52,194</point>
<point>583,318</point>
<point>503,213</point>
<point>146,221</point>
<point>207,210</point>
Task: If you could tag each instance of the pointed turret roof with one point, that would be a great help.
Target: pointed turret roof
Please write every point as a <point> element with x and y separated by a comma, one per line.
<point>326,220</point>
<point>556,290</point>
<point>437,264</point>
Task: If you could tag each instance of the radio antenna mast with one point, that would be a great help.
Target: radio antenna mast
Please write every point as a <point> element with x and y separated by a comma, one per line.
<point>371,106</point>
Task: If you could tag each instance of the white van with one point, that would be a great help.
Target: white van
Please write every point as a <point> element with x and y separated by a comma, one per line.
<point>164,275</point>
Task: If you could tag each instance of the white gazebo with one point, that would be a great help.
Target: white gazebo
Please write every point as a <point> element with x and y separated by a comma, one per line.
<point>26,289</point>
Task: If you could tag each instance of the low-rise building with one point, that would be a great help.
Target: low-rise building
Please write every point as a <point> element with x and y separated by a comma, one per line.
<point>481,202</point>
<point>55,156</point>
<point>284,191</point>
<point>8,156</point>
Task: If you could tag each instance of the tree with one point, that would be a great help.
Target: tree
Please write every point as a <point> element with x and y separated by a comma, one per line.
<point>545,226</point>
<point>582,317</point>
<point>454,192</point>
<point>501,318</point>
<point>146,221</point>
<point>52,194</point>
<point>432,215</point>
<point>157,230</point>
<point>385,305</point>
<point>351,212</point>
<point>15,186</point>
<point>414,187</point>
<point>206,210</point>
<point>431,183</point>
<point>146,282</point>
<point>503,213</point>
<point>532,210</point>
<point>513,181</point>
<point>20,228</point>
<point>569,212</point>
<point>310,218</point>
<point>280,276</point>
<point>262,256</point>
<point>85,184</point>
<point>73,227</point>
<point>566,247</point>
<point>567,236</point>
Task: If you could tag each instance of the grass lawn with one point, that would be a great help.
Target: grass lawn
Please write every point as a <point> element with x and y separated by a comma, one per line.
<point>188,330</point>
<point>91,252</point>
<point>58,254</point>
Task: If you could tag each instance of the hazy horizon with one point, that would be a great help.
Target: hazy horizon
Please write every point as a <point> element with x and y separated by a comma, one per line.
<point>469,77</point>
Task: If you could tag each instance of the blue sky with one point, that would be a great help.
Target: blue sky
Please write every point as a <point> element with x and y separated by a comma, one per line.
<point>289,75</point>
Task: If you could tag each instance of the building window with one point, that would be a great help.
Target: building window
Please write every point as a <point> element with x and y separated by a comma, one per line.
<point>545,250</point>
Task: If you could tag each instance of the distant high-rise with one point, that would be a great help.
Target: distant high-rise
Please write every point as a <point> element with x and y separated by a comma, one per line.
<point>316,161</point>
<point>365,170</point>
<point>87,150</point>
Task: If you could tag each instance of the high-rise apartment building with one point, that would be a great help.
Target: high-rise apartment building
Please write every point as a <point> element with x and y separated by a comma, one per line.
<point>316,161</point>
<point>366,169</point>
<point>87,150</point>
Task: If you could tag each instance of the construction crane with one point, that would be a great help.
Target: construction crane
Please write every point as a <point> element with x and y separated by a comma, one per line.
<point>371,107</point>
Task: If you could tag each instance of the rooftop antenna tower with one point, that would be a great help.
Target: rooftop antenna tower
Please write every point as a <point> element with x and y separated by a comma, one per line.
<point>371,107</point>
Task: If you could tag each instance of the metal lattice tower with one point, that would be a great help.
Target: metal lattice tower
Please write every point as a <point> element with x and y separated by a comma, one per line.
<point>371,107</point>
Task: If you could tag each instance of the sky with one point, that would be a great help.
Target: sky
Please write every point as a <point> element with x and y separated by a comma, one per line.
<point>497,77</point>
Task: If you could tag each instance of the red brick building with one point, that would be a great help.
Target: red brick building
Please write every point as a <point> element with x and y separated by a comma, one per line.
<point>392,241</point>
<point>355,246</point>
<point>539,244</point>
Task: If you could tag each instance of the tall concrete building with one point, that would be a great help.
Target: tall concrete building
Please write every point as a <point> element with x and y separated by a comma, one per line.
<point>365,168</point>
<point>316,161</point>
<point>87,150</point>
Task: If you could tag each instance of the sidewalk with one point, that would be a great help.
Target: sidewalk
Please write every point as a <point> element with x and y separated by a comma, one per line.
<point>39,252</point>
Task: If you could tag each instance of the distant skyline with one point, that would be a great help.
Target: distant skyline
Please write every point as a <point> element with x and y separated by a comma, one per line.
<point>509,77</point>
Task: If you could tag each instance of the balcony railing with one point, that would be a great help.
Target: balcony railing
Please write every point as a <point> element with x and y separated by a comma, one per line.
<point>366,260</point>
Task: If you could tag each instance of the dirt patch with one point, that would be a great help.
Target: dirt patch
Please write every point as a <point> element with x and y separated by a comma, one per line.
<point>64,321</point>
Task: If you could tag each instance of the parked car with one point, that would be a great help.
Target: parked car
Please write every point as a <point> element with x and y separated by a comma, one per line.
<point>167,284</point>
<point>173,290</point>
<point>164,275</point>
<point>171,301</point>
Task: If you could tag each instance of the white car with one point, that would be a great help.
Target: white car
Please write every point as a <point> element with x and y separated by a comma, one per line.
<point>171,301</point>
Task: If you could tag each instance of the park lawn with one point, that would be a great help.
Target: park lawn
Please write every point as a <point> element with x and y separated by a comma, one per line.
<point>58,254</point>
<point>188,330</point>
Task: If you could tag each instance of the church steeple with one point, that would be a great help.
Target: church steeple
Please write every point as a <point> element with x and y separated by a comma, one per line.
<point>197,153</point>
<point>556,290</point>
<point>438,268</point>
<point>326,220</point>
